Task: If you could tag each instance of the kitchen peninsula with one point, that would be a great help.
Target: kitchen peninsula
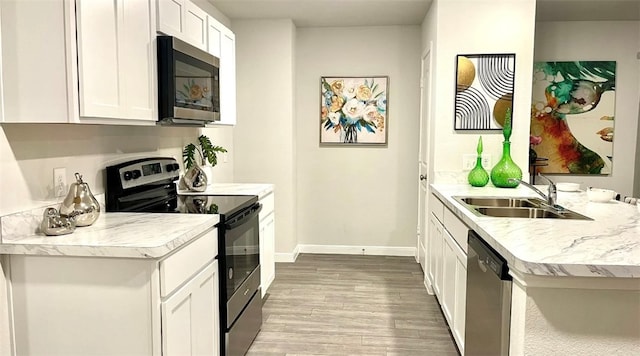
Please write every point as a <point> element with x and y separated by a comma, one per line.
<point>576,283</point>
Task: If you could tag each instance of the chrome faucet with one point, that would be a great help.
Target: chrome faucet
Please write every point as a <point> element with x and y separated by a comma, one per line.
<point>552,193</point>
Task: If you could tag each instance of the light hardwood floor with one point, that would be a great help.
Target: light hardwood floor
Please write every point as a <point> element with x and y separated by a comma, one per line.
<point>351,305</point>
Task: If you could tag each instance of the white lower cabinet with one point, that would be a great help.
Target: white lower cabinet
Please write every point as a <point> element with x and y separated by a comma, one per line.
<point>434,253</point>
<point>460,301</point>
<point>448,278</point>
<point>447,266</point>
<point>64,305</point>
<point>188,322</point>
<point>267,243</point>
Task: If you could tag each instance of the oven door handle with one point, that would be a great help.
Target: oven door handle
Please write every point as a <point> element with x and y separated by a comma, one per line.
<point>252,212</point>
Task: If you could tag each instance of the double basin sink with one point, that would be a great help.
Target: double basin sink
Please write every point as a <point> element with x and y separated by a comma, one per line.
<point>508,207</point>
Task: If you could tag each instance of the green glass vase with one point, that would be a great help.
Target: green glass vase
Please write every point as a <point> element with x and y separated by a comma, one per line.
<point>478,176</point>
<point>505,169</point>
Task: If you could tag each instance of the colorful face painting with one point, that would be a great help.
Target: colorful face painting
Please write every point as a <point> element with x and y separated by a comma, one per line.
<point>572,115</point>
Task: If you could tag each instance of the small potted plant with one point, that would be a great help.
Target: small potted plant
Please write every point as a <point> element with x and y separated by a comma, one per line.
<point>198,174</point>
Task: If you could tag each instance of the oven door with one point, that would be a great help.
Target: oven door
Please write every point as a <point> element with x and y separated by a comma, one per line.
<point>242,247</point>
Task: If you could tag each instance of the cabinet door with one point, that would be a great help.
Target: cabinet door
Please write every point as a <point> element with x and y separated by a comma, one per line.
<point>460,302</point>
<point>138,59</point>
<point>437,256</point>
<point>116,59</point>
<point>190,317</point>
<point>267,252</point>
<point>214,36</point>
<point>227,77</point>
<point>33,75</point>
<point>448,277</point>
<point>100,90</point>
<point>195,25</point>
<point>170,17</point>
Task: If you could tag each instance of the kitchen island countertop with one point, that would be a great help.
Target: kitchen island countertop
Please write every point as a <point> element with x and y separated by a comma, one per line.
<point>135,235</point>
<point>607,246</point>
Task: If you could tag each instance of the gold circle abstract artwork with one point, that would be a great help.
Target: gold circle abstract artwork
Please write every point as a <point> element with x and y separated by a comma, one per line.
<point>500,108</point>
<point>466,73</point>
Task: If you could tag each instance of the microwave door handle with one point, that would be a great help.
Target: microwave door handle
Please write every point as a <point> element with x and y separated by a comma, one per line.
<point>255,210</point>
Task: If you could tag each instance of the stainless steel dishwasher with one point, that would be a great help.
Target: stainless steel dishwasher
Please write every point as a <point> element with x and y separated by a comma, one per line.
<point>488,311</point>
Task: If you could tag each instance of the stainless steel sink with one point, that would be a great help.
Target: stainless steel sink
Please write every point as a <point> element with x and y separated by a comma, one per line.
<point>504,202</point>
<point>508,207</point>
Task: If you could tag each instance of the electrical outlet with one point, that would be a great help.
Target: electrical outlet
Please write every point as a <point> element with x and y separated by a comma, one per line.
<point>468,161</point>
<point>59,181</point>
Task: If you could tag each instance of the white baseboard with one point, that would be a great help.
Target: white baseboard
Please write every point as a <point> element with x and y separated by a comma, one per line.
<point>358,250</point>
<point>288,257</point>
<point>345,250</point>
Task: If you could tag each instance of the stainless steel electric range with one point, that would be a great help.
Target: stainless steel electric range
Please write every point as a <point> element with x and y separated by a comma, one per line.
<point>149,185</point>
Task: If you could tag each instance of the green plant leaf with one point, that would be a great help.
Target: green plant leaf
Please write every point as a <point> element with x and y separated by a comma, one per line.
<point>188,155</point>
<point>209,151</point>
<point>326,85</point>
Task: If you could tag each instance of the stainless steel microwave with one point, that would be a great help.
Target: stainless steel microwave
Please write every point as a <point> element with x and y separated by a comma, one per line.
<point>188,84</point>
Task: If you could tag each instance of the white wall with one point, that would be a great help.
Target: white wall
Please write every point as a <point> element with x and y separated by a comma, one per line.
<point>607,40</point>
<point>636,185</point>
<point>477,27</point>
<point>265,134</point>
<point>359,196</point>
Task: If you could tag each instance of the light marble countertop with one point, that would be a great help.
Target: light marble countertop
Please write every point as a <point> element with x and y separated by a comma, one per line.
<point>607,246</point>
<point>136,235</point>
<point>261,190</point>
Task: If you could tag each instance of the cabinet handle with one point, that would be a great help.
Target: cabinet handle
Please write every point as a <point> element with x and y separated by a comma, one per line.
<point>245,292</point>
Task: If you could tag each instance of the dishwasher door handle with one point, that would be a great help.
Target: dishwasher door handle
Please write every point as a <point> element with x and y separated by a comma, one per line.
<point>482,265</point>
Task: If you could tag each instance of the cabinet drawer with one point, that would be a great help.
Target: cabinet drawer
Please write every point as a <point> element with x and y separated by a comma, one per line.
<point>180,266</point>
<point>268,205</point>
<point>456,228</point>
<point>436,207</point>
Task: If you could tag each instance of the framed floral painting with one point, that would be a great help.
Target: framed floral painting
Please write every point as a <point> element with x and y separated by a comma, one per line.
<point>353,110</point>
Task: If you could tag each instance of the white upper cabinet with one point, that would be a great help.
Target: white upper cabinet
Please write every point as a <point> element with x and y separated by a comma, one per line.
<point>195,25</point>
<point>33,65</point>
<point>222,44</point>
<point>116,59</point>
<point>83,61</point>
<point>170,18</point>
<point>184,20</point>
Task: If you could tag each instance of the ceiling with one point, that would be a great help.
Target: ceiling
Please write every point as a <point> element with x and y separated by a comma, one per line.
<point>322,13</point>
<point>319,13</point>
<point>588,10</point>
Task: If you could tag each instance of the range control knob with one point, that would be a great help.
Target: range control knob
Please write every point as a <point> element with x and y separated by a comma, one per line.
<point>136,173</point>
<point>176,167</point>
<point>169,167</point>
<point>127,175</point>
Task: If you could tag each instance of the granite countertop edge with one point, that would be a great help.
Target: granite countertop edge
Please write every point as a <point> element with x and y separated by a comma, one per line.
<point>153,235</point>
<point>556,262</point>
